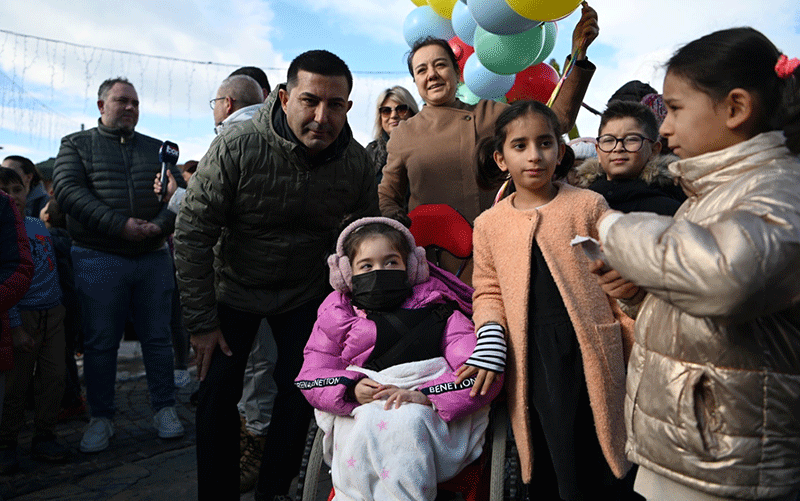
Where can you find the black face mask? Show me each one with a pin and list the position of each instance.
(380, 289)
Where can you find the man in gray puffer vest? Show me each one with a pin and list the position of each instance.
(103, 182)
(277, 190)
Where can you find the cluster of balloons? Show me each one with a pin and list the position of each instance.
(500, 45)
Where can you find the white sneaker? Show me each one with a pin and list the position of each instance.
(182, 378)
(167, 423)
(95, 438)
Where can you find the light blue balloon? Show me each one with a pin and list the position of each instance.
(424, 22)
(483, 83)
(463, 23)
(465, 95)
(495, 16)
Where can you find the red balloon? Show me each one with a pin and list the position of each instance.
(462, 52)
(534, 82)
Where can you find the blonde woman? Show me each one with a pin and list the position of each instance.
(394, 106)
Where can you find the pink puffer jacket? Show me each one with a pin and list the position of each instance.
(342, 336)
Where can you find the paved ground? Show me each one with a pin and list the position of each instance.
(138, 466)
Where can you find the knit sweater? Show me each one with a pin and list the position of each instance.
(503, 242)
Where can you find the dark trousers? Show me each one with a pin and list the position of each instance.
(218, 417)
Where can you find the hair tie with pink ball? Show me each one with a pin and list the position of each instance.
(785, 66)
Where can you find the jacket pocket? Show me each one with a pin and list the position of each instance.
(699, 415)
(613, 359)
(705, 412)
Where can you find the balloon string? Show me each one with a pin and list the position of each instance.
(501, 192)
(567, 70)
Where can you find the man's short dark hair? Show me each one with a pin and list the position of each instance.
(256, 74)
(320, 62)
(631, 109)
(424, 42)
(102, 92)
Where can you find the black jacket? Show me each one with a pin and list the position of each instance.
(653, 191)
(104, 176)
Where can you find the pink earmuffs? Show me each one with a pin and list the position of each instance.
(341, 275)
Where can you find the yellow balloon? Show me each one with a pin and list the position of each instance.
(420, 3)
(543, 10)
(442, 7)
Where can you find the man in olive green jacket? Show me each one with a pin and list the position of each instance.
(277, 190)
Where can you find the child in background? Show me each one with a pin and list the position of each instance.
(567, 339)
(73, 403)
(16, 269)
(629, 170)
(713, 397)
(379, 368)
(32, 180)
(39, 357)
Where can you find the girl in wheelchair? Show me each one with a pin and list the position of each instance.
(380, 368)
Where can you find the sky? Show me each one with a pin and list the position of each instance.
(54, 54)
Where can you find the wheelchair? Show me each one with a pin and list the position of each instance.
(495, 475)
(492, 477)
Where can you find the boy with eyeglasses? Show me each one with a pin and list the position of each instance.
(630, 171)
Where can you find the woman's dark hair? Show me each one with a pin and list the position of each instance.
(10, 176)
(489, 175)
(424, 42)
(28, 167)
(399, 241)
(743, 58)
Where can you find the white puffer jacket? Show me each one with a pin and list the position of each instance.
(713, 388)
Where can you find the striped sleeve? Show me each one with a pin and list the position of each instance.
(490, 350)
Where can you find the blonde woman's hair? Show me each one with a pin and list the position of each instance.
(399, 94)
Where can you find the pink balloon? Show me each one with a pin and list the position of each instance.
(534, 82)
(462, 52)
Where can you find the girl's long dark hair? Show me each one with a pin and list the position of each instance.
(489, 175)
(743, 58)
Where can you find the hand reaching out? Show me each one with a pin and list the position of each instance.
(612, 282)
(586, 31)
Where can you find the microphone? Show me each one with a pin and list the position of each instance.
(168, 156)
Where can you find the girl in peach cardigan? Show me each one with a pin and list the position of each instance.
(567, 341)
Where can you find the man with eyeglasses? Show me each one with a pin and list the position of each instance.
(122, 265)
(630, 171)
(238, 98)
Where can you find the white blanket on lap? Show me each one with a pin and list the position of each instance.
(399, 454)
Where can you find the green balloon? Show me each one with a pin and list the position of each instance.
(548, 42)
(465, 95)
(508, 54)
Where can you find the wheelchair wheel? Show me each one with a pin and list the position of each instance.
(505, 482)
(311, 465)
